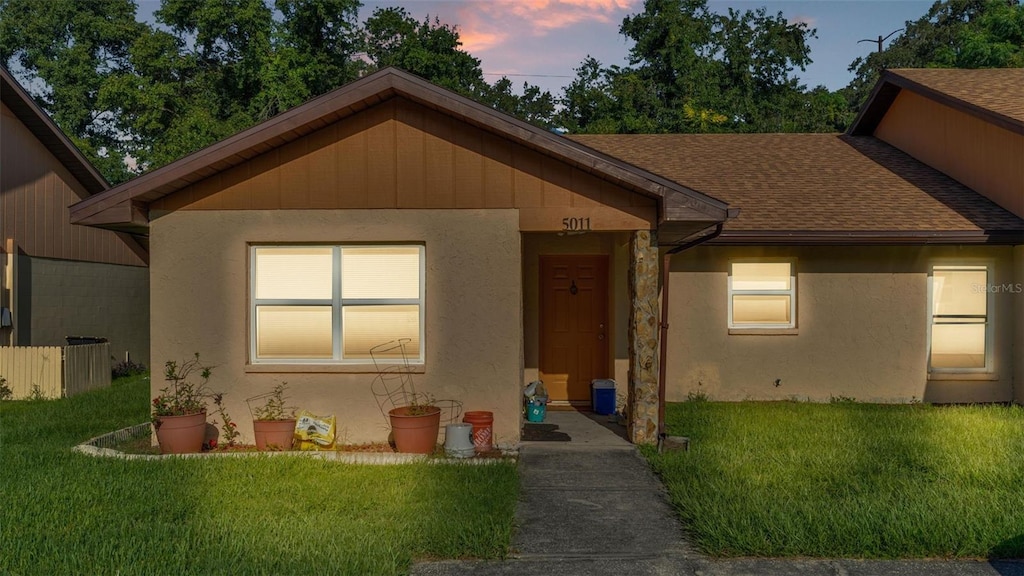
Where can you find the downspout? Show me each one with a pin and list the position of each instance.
(663, 352)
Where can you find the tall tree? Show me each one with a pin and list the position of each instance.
(693, 70)
(952, 34)
(74, 48)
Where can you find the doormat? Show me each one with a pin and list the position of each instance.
(543, 433)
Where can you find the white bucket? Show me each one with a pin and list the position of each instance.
(458, 440)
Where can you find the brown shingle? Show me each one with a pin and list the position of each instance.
(812, 182)
(1000, 90)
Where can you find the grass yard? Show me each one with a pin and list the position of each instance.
(66, 513)
(848, 480)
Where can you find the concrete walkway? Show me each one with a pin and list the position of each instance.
(591, 506)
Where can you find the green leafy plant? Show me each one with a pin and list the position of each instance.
(422, 404)
(127, 368)
(228, 429)
(6, 393)
(273, 405)
(184, 395)
(36, 394)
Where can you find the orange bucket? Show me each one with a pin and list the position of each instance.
(483, 423)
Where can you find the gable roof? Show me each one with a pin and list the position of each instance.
(821, 188)
(123, 207)
(42, 127)
(995, 95)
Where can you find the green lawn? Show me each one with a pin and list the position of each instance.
(848, 480)
(67, 513)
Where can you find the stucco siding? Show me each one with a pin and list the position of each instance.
(473, 310)
(60, 298)
(862, 329)
(978, 154)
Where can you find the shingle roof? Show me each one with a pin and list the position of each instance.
(995, 95)
(806, 184)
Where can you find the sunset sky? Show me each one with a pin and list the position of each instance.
(548, 38)
(542, 41)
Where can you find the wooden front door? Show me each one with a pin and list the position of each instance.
(573, 325)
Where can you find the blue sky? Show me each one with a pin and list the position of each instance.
(551, 37)
(542, 41)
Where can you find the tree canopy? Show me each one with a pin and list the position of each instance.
(952, 34)
(206, 69)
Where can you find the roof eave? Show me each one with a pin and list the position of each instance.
(889, 86)
(861, 238)
(43, 127)
(372, 90)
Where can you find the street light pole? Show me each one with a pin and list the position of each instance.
(880, 39)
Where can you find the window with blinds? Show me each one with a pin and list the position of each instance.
(959, 318)
(762, 295)
(333, 303)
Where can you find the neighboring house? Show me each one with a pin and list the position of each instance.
(56, 279)
(392, 208)
(883, 265)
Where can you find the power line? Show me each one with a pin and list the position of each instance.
(528, 75)
(880, 39)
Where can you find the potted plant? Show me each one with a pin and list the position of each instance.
(415, 426)
(179, 412)
(273, 423)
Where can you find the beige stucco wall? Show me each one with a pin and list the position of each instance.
(613, 244)
(861, 332)
(60, 298)
(473, 323)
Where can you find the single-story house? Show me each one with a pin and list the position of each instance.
(56, 279)
(805, 266)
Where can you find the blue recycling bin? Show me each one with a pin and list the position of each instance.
(602, 396)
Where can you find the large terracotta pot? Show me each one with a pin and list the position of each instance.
(181, 434)
(415, 433)
(274, 434)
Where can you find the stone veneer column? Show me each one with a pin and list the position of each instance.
(643, 338)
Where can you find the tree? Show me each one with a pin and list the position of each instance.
(693, 70)
(952, 34)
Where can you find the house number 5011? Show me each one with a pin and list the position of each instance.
(575, 224)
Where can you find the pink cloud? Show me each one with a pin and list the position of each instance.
(809, 20)
(488, 25)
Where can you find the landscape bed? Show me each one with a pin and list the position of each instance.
(69, 513)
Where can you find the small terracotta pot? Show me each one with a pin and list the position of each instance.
(274, 434)
(181, 434)
(415, 434)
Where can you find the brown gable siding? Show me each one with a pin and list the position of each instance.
(981, 155)
(35, 192)
(400, 154)
(997, 91)
(796, 185)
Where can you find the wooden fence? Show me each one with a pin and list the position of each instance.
(55, 371)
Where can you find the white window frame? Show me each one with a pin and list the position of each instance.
(336, 302)
(792, 293)
(966, 264)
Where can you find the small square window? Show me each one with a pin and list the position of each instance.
(762, 295)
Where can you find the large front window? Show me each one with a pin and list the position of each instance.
(959, 318)
(334, 303)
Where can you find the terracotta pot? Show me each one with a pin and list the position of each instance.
(415, 434)
(274, 434)
(181, 434)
